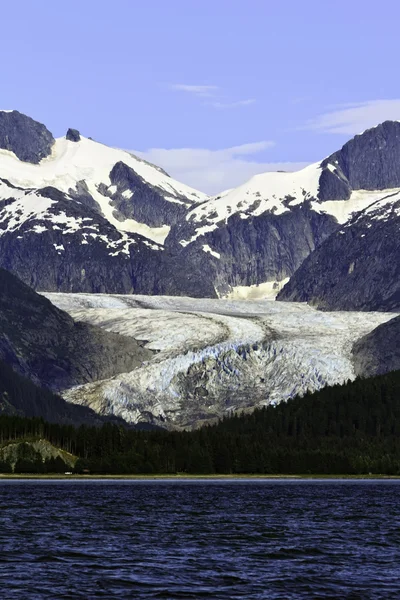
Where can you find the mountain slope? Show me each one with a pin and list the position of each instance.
(264, 230)
(109, 177)
(379, 351)
(43, 343)
(76, 215)
(357, 267)
(20, 396)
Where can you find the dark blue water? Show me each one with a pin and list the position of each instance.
(170, 539)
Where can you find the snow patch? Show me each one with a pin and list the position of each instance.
(26, 206)
(359, 200)
(206, 248)
(263, 291)
(39, 229)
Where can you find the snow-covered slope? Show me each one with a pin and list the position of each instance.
(76, 215)
(276, 194)
(88, 163)
(215, 356)
(268, 192)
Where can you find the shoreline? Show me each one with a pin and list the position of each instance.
(184, 477)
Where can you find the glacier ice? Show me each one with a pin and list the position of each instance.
(216, 356)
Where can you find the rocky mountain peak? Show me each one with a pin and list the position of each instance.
(29, 140)
(73, 135)
(369, 161)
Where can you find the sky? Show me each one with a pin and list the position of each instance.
(214, 91)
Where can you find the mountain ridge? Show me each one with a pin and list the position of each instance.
(79, 216)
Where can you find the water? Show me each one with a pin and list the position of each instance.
(199, 539)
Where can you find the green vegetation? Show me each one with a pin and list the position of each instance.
(349, 429)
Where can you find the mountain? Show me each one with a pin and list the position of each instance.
(78, 216)
(21, 397)
(43, 343)
(379, 351)
(263, 231)
(358, 266)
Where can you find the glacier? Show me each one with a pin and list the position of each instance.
(214, 357)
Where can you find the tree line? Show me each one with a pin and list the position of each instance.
(343, 429)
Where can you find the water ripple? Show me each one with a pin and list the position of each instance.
(193, 539)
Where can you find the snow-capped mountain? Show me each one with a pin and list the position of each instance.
(262, 232)
(76, 215)
(358, 266)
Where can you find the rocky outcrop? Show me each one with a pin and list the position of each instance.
(333, 184)
(369, 161)
(73, 135)
(43, 343)
(37, 451)
(29, 140)
(135, 198)
(357, 267)
(379, 351)
(256, 249)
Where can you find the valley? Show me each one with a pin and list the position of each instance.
(170, 293)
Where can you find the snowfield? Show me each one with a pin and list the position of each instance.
(72, 163)
(277, 193)
(212, 357)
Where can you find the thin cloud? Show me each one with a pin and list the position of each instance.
(350, 119)
(224, 105)
(210, 91)
(213, 171)
(197, 90)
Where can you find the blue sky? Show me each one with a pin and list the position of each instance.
(212, 90)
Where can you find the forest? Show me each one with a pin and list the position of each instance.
(345, 429)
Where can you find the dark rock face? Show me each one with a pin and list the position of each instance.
(357, 267)
(43, 343)
(369, 161)
(333, 185)
(72, 248)
(20, 396)
(73, 135)
(29, 140)
(379, 351)
(146, 204)
(258, 249)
